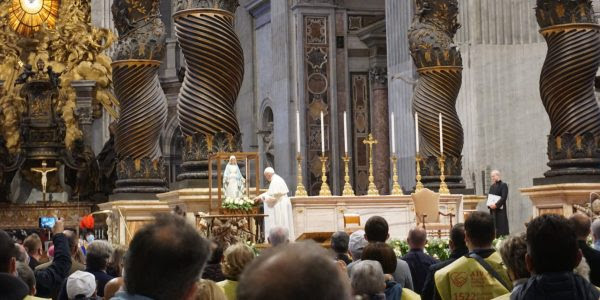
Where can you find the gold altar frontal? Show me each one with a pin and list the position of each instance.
(25, 216)
(326, 214)
(559, 198)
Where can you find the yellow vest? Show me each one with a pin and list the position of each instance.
(466, 279)
(229, 288)
(410, 295)
(503, 297)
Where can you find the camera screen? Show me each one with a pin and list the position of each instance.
(47, 222)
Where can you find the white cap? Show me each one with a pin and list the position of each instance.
(269, 170)
(81, 283)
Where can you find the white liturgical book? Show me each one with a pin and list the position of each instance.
(492, 199)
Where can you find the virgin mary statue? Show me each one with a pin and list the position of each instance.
(233, 181)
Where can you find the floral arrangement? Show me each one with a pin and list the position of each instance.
(242, 203)
(437, 248)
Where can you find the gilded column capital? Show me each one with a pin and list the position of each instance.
(141, 31)
(558, 12)
(432, 32)
(228, 5)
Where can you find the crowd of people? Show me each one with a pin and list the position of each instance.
(168, 259)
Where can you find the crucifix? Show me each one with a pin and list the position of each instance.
(44, 170)
(372, 188)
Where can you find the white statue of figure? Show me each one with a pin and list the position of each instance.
(233, 181)
(277, 206)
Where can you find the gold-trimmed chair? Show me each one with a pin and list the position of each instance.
(351, 219)
(427, 211)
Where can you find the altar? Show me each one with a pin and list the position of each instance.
(326, 214)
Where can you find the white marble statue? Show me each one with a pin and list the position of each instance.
(277, 206)
(233, 181)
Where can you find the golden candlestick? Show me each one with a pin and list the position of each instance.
(419, 185)
(443, 187)
(396, 188)
(325, 191)
(348, 191)
(372, 188)
(300, 190)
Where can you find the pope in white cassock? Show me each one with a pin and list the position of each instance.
(277, 204)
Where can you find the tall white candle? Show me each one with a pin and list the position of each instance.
(345, 134)
(441, 136)
(393, 136)
(298, 131)
(417, 131)
(322, 134)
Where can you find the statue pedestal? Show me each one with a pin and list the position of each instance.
(559, 198)
(126, 217)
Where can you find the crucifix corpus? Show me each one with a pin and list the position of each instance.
(44, 170)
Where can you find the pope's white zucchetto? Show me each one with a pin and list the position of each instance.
(269, 170)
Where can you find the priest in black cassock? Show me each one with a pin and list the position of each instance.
(498, 210)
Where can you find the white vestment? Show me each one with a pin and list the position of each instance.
(278, 207)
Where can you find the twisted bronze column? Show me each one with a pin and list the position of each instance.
(567, 86)
(439, 65)
(143, 109)
(213, 77)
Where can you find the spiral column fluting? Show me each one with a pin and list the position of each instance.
(143, 113)
(143, 108)
(567, 87)
(436, 92)
(439, 65)
(213, 77)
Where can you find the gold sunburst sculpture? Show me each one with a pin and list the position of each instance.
(27, 16)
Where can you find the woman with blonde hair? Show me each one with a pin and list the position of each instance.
(237, 257)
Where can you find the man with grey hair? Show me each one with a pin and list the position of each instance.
(278, 236)
(277, 205)
(96, 260)
(498, 210)
(339, 244)
(368, 280)
(22, 254)
(596, 234)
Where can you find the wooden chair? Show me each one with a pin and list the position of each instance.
(427, 204)
(351, 219)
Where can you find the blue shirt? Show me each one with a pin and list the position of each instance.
(127, 296)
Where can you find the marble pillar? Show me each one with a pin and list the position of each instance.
(401, 82)
(380, 128)
(374, 36)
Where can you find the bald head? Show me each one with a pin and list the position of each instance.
(581, 224)
(417, 238)
(273, 275)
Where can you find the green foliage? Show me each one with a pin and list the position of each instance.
(438, 248)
